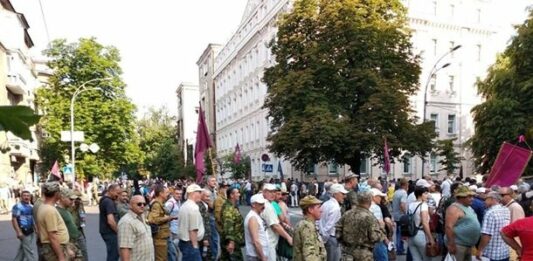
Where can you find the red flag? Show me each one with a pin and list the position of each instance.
(237, 154)
(386, 158)
(203, 142)
(55, 170)
(510, 163)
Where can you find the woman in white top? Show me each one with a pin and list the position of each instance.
(417, 244)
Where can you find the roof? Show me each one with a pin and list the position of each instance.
(6, 4)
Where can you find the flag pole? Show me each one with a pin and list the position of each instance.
(212, 165)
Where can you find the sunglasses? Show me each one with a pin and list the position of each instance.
(503, 195)
(141, 204)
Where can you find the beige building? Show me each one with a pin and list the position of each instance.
(19, 158)
(187, 118)
(206, 86)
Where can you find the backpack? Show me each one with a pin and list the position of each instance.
(525, 202)
(408, 227)
(436, 220)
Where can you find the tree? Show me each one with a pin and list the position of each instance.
(238, 170)
(18, 120)
(157, 130)
(342, 80)
(106, 116)
(450, 158)
(507, 110)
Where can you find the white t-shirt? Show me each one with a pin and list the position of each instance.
(413, 206)
(189, 219)
(270, 217)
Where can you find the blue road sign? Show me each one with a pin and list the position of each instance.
(268, 167)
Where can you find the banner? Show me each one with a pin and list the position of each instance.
(510, 163)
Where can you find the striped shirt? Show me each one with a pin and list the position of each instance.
(494, 220)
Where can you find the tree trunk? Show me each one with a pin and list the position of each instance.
(355, 163)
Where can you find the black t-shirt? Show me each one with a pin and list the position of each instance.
(107, 206)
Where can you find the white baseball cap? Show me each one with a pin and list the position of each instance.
(258, 198)
(193, 188)
(335, 188)
(423, 183)
(481, 190)
(269, 186)
(377, 192)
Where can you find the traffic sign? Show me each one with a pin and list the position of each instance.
(78, 136)
(267, 167)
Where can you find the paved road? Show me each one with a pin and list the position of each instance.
(9, 243)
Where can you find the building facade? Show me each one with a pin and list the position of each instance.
(19, 159)
(438, 27)
(206, 86)
(187, 117)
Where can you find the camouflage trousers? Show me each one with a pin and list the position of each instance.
(358, 255)
(70, 251)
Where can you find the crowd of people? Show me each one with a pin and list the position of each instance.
(349, 220)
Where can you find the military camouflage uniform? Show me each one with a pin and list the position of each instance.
(308, 243)
(233, 230)
(350, 201)
(207, 235)
(358, 230)
(70, 252)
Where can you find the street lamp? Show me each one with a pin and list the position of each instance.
(432, 73)
(79, 90)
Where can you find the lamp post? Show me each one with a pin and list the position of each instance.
(433, 72)
(79, 90)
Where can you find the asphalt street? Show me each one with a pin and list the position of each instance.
(9, 243)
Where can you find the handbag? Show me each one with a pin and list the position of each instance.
(450, 257)
(432, 250)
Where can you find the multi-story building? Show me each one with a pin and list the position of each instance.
(187, 118)
(438, 27)
(18, 158)
(206, 86)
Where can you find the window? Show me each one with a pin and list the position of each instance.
(451, 83)
(478, 15)
(406, 164)
(434, 6)
(310, 169)
(433, 163)
(451, 124)
(333, 168)
(363, 169)
(435, 119)
(478, 52)
(433, 83)
(452, 10)
(434, 43)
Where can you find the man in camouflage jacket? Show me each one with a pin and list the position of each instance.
(204, 207)
(308, 245)
(233, 229)
(358, 230)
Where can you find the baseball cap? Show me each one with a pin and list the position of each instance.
(423, 183)
(308, 201)
(269, 186)
(481, 190)
(258, 198)
(335, 188)
(193, 188)
(67, 193)
(377, 192)
(51, 187)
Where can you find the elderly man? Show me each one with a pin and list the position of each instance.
(497, 216)
(399, 208)
(22, 220)
(203, 206)
(190, 225)
(214, 236)
(274, 230)
(255, 234)
(232, 235)
(63, 204)
(122, 204)
(358, 230)
(134, 235)
(331, 213)
(53, 232)
(308, 244)
(380, 249)
(461, 225)
(517, 212)
(350, 184)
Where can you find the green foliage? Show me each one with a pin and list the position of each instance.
(238, 170)
(163, 157)
(507, 110)
(106, 116)
(344, 72)
(18, 120)
(450, 158)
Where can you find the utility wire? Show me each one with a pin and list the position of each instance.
(45, 24)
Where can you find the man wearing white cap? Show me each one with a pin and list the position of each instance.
(331, 213)
(275, 230)
(190, 225)
(255, 235)
(380, 249)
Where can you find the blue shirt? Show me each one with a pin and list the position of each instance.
(23, 213)
(478, 205)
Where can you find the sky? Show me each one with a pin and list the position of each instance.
(160, 41)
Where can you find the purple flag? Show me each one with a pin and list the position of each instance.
(386, 158)
(203, 142)
(511, 162)
(237, 154)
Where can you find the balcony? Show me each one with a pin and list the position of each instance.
(18, 147)
(16, 84)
